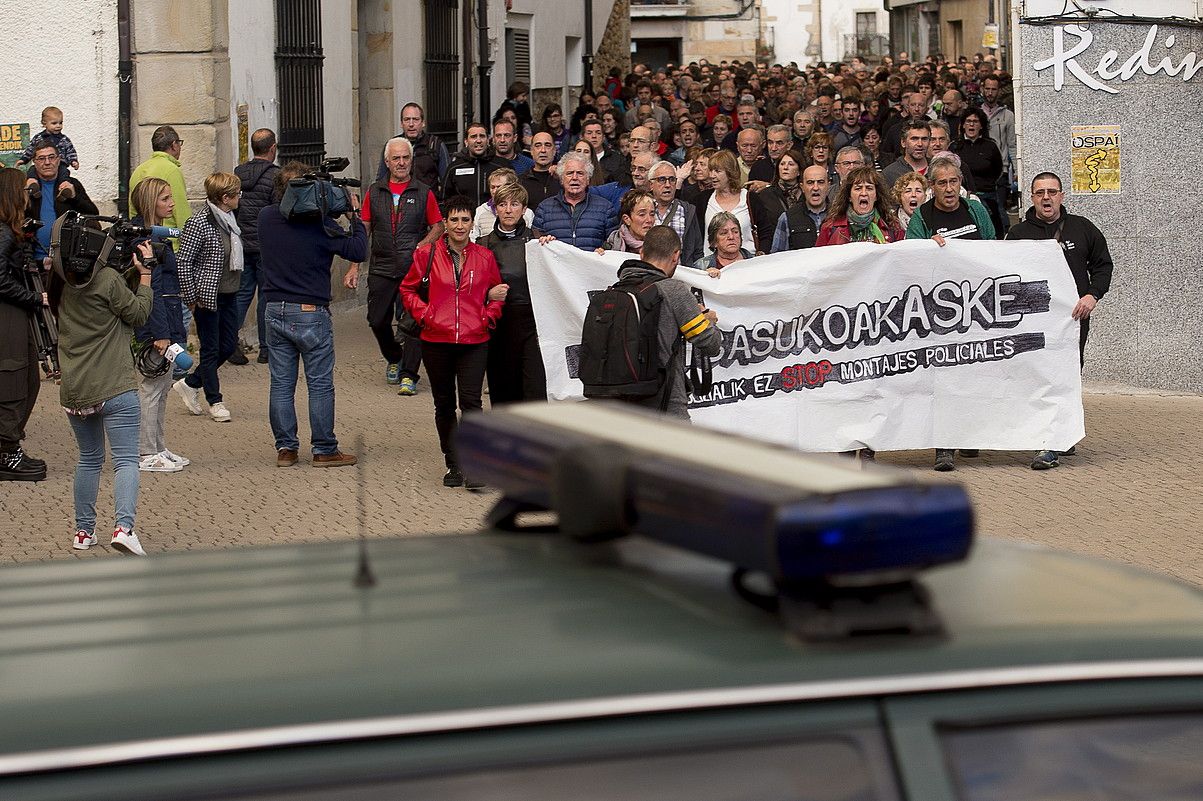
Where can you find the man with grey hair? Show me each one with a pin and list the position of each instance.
(575, 215)
(670, 211)
(749, 143)
(946, 216)
(641, 165)
(778, 140)
(401, 214)
(846, 160)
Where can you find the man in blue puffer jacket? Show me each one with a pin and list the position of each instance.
(576, 216)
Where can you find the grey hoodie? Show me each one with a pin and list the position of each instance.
(678, 317)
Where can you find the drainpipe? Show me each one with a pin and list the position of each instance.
(484, 66)
(587, 58)
(125, 79)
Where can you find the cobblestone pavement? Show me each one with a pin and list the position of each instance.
(1133, 493)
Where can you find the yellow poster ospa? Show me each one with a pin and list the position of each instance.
(1095, 159)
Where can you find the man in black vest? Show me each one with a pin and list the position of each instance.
(430, 154)
(798, 226)
(401, 214)
(468, 174)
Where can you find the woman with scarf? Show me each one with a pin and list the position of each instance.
(637, 214)
(862, 211)
(910, 192)
(770, 203)
(210, 272)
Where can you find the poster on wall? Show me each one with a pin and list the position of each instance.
(1095, 159)
(14, 138)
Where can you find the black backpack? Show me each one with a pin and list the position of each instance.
(620, 348)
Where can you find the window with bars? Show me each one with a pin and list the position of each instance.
(441, 61)
(299, 57)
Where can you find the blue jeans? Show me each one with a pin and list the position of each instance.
(218, 333)
(295, 335)
(252, 281)
(119, 419)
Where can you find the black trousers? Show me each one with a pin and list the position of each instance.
(515, 363)
(18, 395)
(1082, 340)
(384, 302)
(457, 374)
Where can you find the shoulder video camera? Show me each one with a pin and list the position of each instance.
(318, 195)
(79, 243)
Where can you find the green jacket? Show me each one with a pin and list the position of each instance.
(96, 321)
(165, 166)
(918, 228)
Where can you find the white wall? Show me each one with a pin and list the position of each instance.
(75, 66)
(341, 108)
(253, 66)
(839, 18)
(791, 28)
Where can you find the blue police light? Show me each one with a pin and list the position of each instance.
(608, 470)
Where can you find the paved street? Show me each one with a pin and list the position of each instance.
(1132, 493)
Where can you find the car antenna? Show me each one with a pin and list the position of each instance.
(363, 575)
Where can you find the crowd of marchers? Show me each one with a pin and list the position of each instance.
(701, 165)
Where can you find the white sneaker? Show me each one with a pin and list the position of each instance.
(182, 461)
(219, 413)
(158, 463)
(83, 540)
(126, 541)
(190, 396)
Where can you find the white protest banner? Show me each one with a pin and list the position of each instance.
(891, 347)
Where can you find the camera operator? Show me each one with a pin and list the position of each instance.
(97, 318)
(297, 258)
(19, 380)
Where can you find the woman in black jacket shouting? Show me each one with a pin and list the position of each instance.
(981, 158)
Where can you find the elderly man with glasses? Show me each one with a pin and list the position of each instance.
(670, 211)
(847, 159)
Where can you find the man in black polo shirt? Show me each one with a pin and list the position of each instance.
(402, 215)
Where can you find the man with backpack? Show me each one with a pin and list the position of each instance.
(635, 332)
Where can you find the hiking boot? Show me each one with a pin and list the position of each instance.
(408, 387)
(336, 459)
(190, 396)
(945, 460)
(126, 541)
(286, 457)
(1045, 460)
(83, 540)
(392, 374)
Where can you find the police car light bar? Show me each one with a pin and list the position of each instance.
(609, 469)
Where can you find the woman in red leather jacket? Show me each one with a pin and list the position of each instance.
(463, 303)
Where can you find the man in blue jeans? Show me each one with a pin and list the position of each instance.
(258, 178)
(297, 258)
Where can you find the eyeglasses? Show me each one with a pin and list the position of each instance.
(849, 163)
(1046, 193)
(664, 179)
(639, 170)
(46, 159)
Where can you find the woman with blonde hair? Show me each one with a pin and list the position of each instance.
(910, 192)
(210, 270)
(729, 196)
(154, 202)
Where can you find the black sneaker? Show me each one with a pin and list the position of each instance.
(262, 358)
(25, 457)
(453, 478)
(944, 460)
(15, 466)
(1045, 460)
(238, 357)
(470, 484)
(970, 453)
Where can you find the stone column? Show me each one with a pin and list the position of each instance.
(182, 79)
